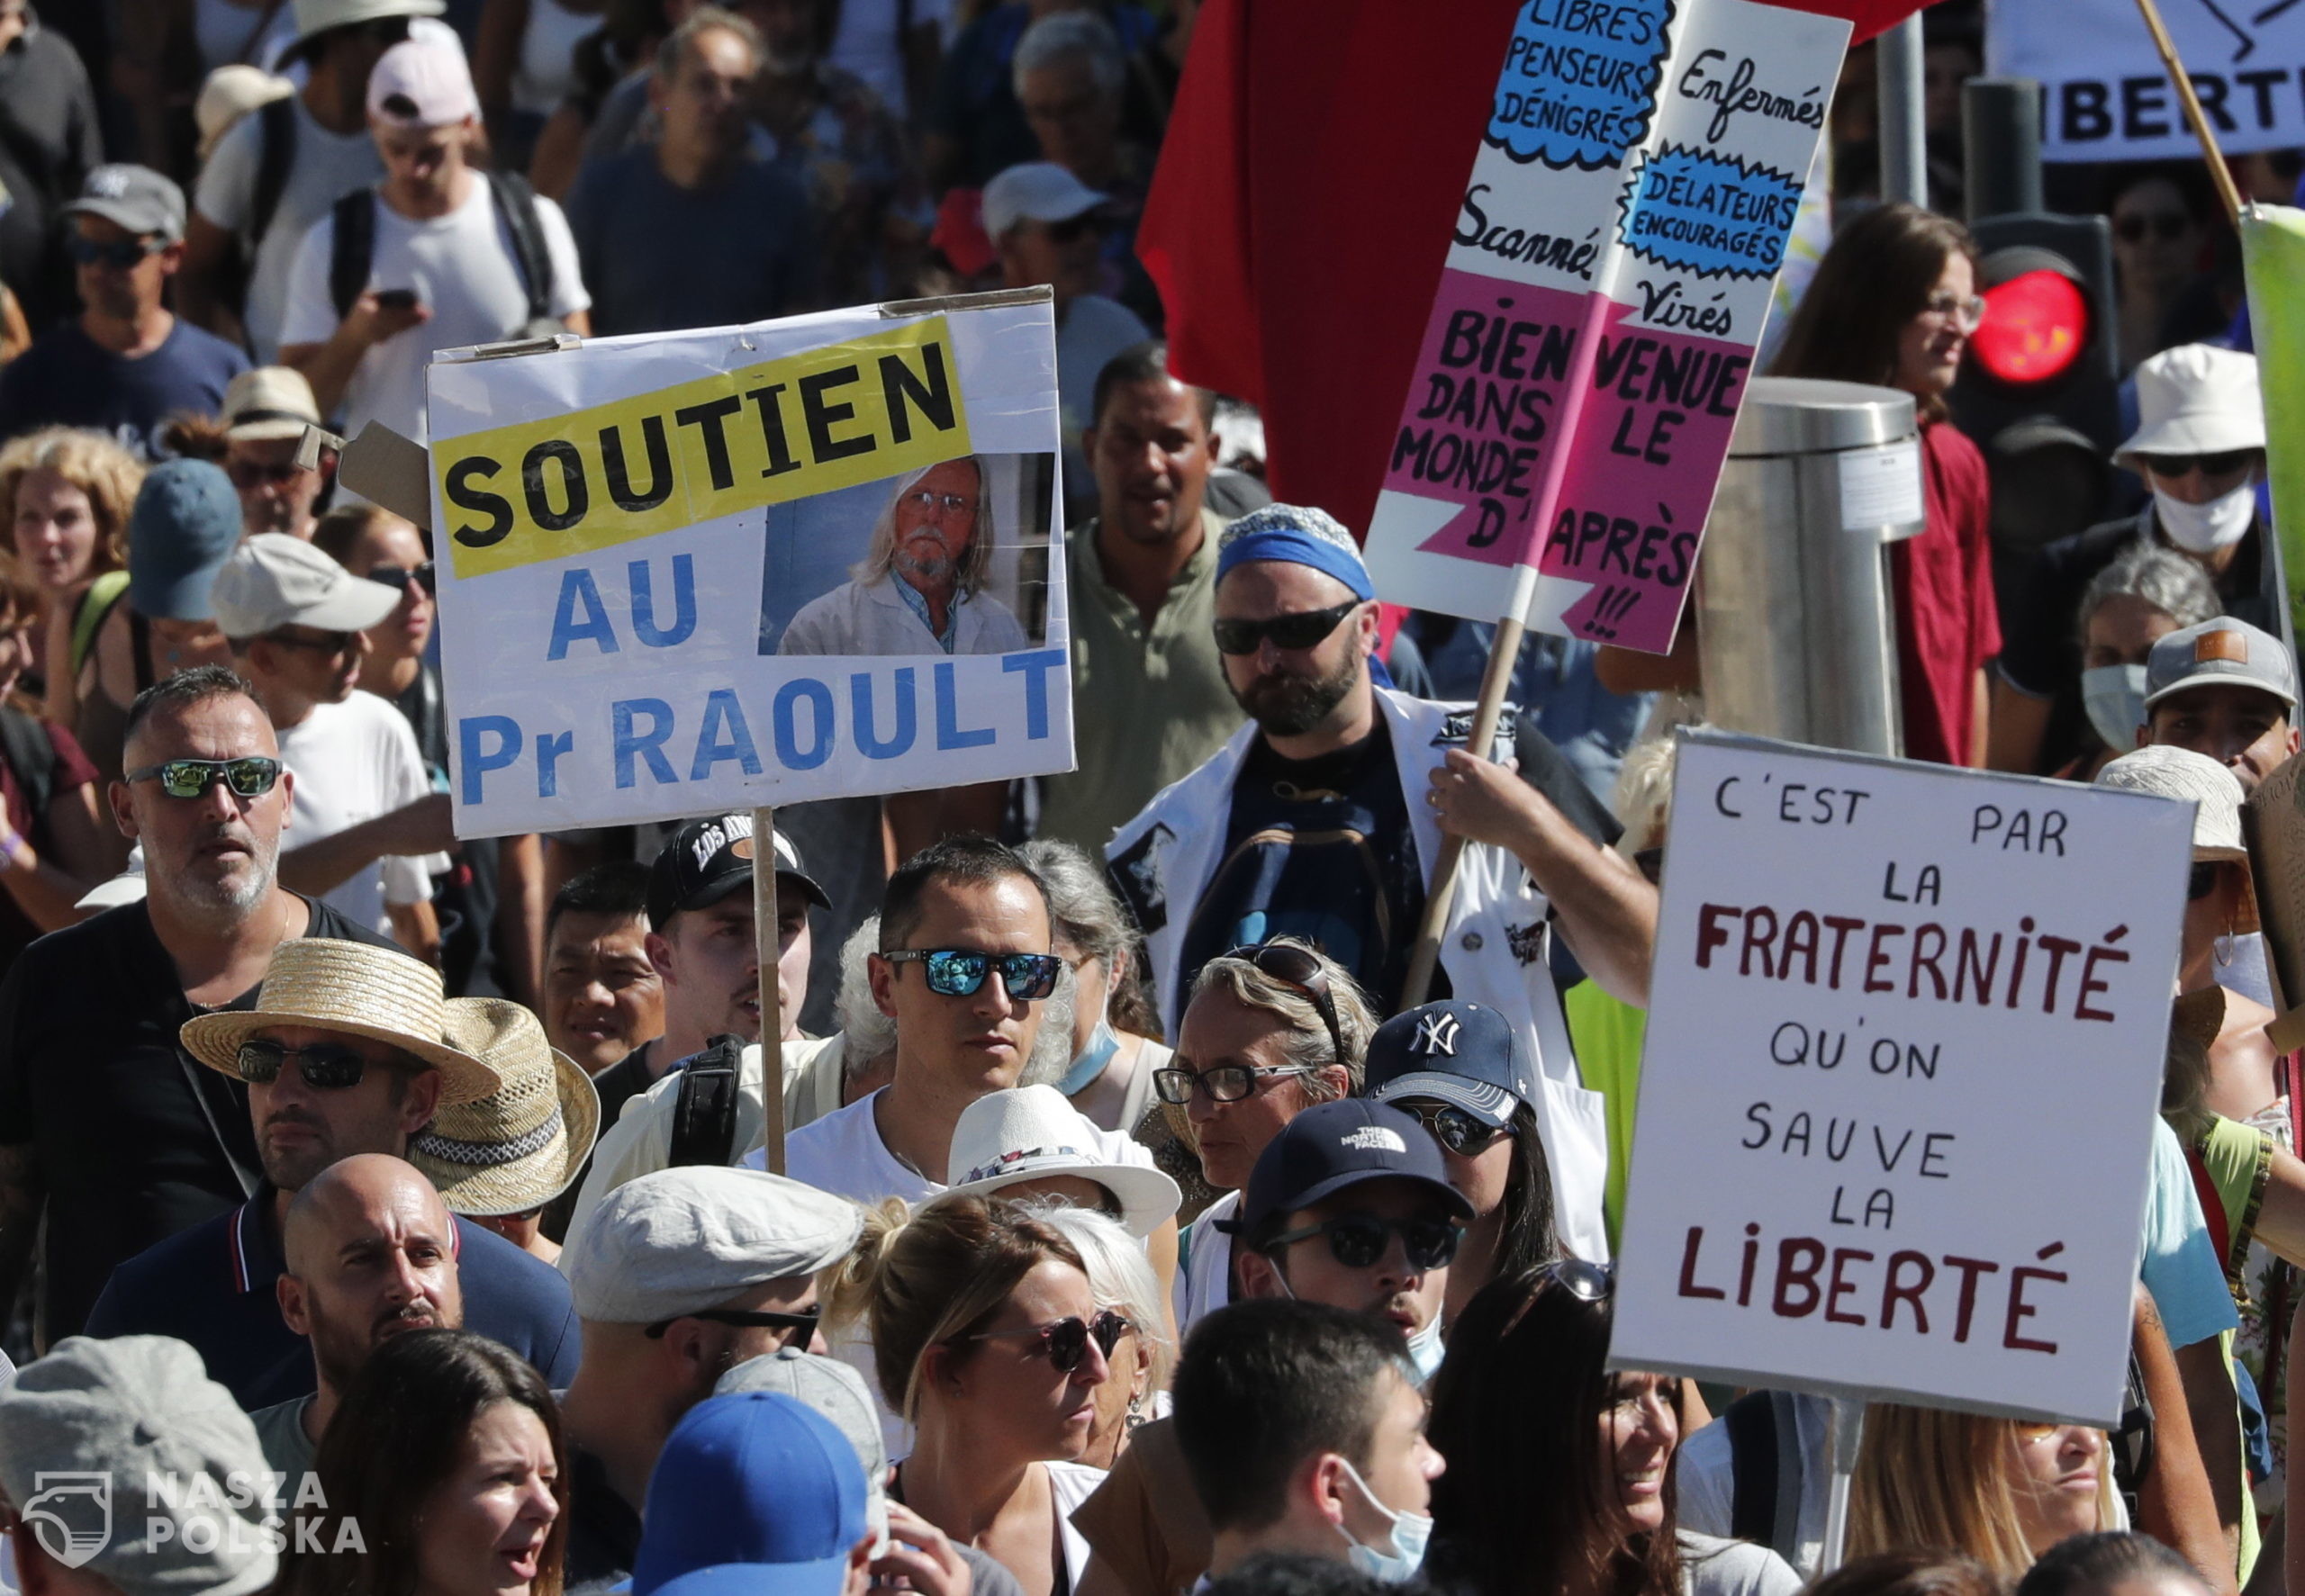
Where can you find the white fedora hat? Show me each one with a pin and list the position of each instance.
(1004, 1138)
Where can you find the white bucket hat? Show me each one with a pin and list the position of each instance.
(2195, 399)
(1004, 1138)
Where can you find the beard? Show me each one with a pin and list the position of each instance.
(225, 899)
(930, 567)
(1288, 705)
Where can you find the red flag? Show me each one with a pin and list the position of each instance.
(1299, 217)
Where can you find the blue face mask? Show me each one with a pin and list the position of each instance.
(1104, 1042)
(1396, 1562)
(2114, 697)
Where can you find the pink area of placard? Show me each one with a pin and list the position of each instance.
(1483, 411)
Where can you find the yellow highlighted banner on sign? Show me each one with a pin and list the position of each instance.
(811, 423)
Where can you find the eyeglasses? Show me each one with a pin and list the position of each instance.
(1461, 1133)
(335, 644)
(425, 576)
(252, 473)
(2168, 226)
(1969, 313)
(248, 778)
(955, 972)
(1220, 1083)
(326, 1066)
(1072, 229)
(1650, 863)
(2222, 464)
(1301, 630)
(121, 254)
(2203, 881)
(1066, 1342)
(930, 503)
(743, 1318)
(1586, 1281)
(1300, 968)
(1360, 1240)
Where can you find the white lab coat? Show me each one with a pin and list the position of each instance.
(1493, 948)
(861, 618)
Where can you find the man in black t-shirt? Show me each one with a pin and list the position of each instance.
(106, 1125)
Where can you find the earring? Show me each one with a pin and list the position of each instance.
(1136, 1414)
(2223, 947)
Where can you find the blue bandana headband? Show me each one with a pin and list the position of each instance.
(1299, 535)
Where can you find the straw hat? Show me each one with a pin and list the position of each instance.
(358, 988)
(2215, 795)
(519, 1148)
(1006, 1137)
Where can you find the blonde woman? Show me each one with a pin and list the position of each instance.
(68, 494)
(2001, 1490)
(1144, 1357)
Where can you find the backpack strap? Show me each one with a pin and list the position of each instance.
(275, 153)
(103, 597)
(1792, 1475)
(24, 743)
(1753, 1463)
(704, 1113)
(353, 247)
(516, 207)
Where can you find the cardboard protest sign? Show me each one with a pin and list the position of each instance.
(1883, 993)
(2106, 95)
(802, 559)
(1608, 277)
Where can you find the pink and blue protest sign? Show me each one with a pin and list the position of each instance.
(1607, 281)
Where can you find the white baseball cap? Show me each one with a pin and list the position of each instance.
(422, 83)
(1007, 1138)
(274, 580)
(2195, 399)
(1036, 190)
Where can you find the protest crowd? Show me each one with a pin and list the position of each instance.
(1099, 1205)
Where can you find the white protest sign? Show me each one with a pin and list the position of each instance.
(2106, 97)
(810, 558)
(1903, 1056)
(1608, 277)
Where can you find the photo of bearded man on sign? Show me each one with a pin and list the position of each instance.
(921, 588)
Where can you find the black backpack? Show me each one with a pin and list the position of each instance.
(704, 1110)
(24, 744)
(516, 206)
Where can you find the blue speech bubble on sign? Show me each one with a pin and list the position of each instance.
(1713, 216)
(1579, 84)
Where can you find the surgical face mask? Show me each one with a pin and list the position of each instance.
(1425, 1350)
(2204, 528)
(2114, 697)
(1396, 1562)
(1104, 1042)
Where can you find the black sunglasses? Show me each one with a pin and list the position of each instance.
(248, 778)
(1586, 1281)
(1300, 968)
(1304, 629)
(956, 972)
(1066, 1342)
(326, 1066)
(743, 1318)
(1461, 1133)
(334, 644)
(1359, 1241)
(2203, 881)
(2164, 225)
(120, 254)
(1650, 863)
(2222, 464)
(400, 576)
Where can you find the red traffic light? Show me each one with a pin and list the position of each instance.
(2036, 325)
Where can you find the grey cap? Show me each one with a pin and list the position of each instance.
(684, 1239)
(274, 580)
(137, 198)
(119, 1456)
(2219, 652)
(838, 1392)
(185, 524)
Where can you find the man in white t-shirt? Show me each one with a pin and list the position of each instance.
(370, 834)
(326, 153)
(455, 256)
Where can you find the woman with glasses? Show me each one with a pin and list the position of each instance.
(1269, 1031)
(1894, 304)
(986, 1336)
(2003, 1490)
(1144, 1357)
(1561, 1472)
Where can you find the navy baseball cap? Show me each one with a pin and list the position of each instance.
(1455, 1052)
(707, 859)
(185, 524)
(754, 1493)
(1332, 1147)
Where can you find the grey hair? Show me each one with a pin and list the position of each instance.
(866, 1032)
(1067, 34)
(881, 553)
(703, 20)
(1307, 1045)
(1052, 1054)
(2176, 586)
(1119, 1274)
(1087, 914)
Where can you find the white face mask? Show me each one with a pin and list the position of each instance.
(2204, 528)
(1398, 1562)
(1425, 1349)
(2114, 697)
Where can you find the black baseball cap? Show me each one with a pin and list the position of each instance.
(1332, 1147)
(1455, 1052)
(707, 859)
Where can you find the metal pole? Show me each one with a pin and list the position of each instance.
(1904, 151)
(766, 947)
(1848, 1431)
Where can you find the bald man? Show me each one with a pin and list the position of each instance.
(370, 1252)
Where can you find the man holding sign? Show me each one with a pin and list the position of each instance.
(1321, 819)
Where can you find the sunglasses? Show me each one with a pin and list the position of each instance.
(1650, 863)
(326, 1066)
(1299, 968)
(1301, 630)
(1066, 1342)
(2164, 225)
(1071, 227)
(252, 473)
(743, 1318)
(121, 255)
(1221, 1083)
(1360, 1240)
(334, 644)
(2203, 881)
(424, 576)
(955, 972)
(1461, 1133)
(2221, 464)
(248, 778)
